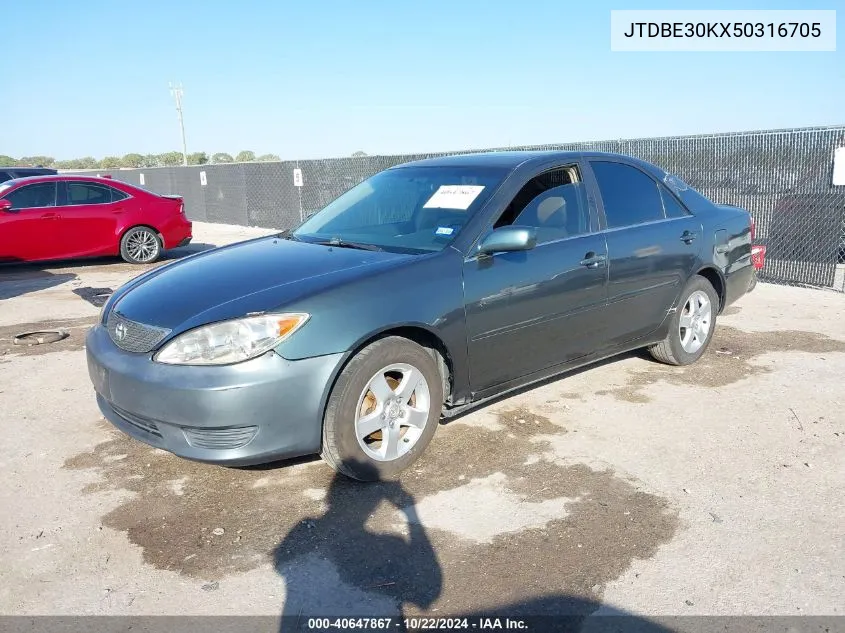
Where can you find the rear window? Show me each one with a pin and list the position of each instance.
(87, 193)
(689, 196)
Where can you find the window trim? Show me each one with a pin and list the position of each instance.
(600, 199)
(66, 196)
(649, 223)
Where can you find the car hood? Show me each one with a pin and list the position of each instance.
(255, 276)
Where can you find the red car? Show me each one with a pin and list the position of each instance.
(63, 217)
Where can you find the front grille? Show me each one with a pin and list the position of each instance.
(220, 438)
(144, 424)
(133, 336)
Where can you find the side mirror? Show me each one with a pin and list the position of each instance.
(508, 239)
(5, 205)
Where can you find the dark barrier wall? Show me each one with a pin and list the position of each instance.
(783, 177)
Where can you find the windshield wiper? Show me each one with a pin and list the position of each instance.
(336, 241)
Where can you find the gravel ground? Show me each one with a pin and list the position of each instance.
(629, 486)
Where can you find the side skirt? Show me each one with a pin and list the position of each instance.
(556, 371)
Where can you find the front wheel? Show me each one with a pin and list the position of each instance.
(383, 410)
(692, 325)
(140, 245)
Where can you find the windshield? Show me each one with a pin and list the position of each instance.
(411, 209)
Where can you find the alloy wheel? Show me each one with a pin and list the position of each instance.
(393, 410)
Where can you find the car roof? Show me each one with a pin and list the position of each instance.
(507, 159)
(52, 177)
(21, 168)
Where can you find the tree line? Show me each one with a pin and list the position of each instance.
(167, 159)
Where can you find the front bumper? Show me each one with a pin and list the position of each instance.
(254, 412)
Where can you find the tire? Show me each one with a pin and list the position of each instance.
(140, 245)
(403, 419)
(676, 349)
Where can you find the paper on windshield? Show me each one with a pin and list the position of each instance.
(454, 197)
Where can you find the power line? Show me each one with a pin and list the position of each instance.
(177, 93)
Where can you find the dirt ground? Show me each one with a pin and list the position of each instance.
(629, 486)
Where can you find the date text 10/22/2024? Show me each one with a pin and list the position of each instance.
(418, 624)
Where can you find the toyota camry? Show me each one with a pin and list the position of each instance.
(427, 289)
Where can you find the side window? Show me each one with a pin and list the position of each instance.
(671, 206)
(4, 176)
(629, 196)
(117, 195)
(34, 196)
(87, 193)
(554, 202)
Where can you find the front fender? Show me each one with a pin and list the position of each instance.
(425, 293)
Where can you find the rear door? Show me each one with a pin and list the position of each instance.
(28, 231)
(90, 213)
(653, 244)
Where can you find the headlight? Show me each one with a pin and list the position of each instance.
(230, 341)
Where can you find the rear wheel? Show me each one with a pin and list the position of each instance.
(140, 245)
(692, 325)
(383, 410)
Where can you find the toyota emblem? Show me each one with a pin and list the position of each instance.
(120, 331)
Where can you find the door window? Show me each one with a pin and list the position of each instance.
(42, 194)
(630, 196)
(117, 195)
(88, 193)
(671, 206)
(554, 203)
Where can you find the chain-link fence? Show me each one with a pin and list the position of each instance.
(783, 177)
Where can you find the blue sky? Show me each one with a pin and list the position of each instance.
(320, 78)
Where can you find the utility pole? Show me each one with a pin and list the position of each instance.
(177, 92)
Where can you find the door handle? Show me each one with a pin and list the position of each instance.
(688, 236)
(591, 260)
(49, 216)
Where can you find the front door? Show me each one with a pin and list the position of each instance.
(527, 311)
(28, 231)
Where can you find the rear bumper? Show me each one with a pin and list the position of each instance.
(177, 233)
(254, 412)
(738, 282)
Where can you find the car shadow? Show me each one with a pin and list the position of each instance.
(335, 566)
(89, 262)
(16, 280)
(21, 277)
(183, 251)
